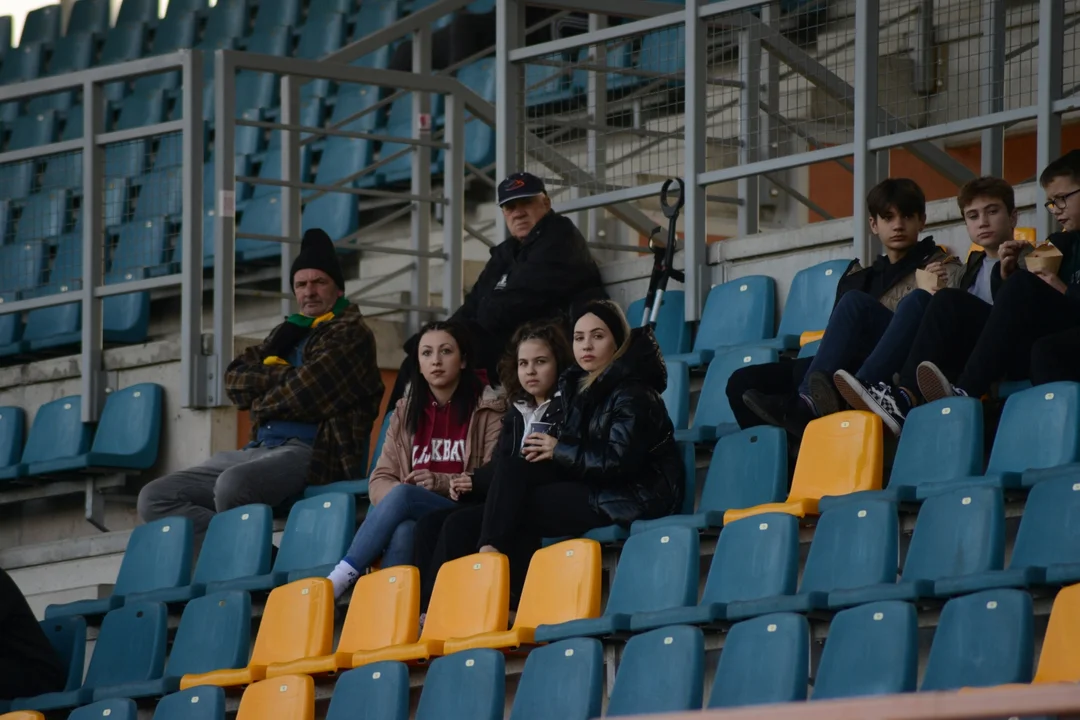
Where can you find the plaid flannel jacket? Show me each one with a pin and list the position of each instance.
(338, 386)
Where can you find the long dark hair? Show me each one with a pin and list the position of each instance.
(469, 385)
(547, 332)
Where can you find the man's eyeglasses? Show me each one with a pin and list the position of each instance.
(1059, 201)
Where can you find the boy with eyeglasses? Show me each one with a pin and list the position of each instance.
(959, 352)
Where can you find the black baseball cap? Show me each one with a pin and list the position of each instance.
(520, 185)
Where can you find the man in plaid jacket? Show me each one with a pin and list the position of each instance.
(313, 389)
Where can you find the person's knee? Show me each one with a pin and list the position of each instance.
(397, 499)
(232, 488)
(150, 497)
(916, 299)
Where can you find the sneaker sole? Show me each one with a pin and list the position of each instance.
(762, 413)
(870, 404)
(846, 385)
(823, 394)
(932, 384)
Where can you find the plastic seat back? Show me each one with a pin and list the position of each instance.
(657, 569)
(43, 216)
(289, 697)
(137, 11)
(321, 35)
(855, 544)
(941, 441)
(479, 136)
(811, 297)
(960, 532)
(31, 130)
(88, 16)
(748, 468)
(298, 622)
(563, 584)
(160, 193)
(114, 709)
(467, 685)
(23, 266)
(317, 532)
(199, 703)
(246, 531)
(384, 610)
(226, 21)
(871, 650)
(676, 395)
(1039, 428)
(372, 692)
(41, 25)
(661, 671)
(982, 640)
(764, 660)
(737, 312)
(214, 633)
(21, 64)
(130, 646)
(716, 410)
(563, 680)
(130, 426)
(672, 330)
(57, 431)
(158, 555)
(124, 42)
(756, 557)
(67, 635)
(1049, 531)
(1059, 661)
(274, 14)
(840, 454)
(471, 596)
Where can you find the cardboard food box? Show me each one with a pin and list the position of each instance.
(928, 281)
(1045, 258)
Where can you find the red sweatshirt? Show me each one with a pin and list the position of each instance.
(439, 443)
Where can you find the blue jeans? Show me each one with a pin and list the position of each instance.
(864, 333)
(387, 531)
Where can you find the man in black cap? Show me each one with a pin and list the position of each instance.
(538, 273)
(313, 389)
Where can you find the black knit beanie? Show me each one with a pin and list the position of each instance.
(317, 253)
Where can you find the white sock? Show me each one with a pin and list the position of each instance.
(343, 576)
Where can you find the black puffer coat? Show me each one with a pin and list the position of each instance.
(616, 436)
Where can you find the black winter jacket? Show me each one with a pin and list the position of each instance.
(617, 437)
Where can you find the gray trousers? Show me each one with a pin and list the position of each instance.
(227, 480)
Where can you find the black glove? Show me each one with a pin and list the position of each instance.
(284, 339)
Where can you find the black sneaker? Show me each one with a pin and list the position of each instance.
(770, 408)
(823, 394)
(892, 407)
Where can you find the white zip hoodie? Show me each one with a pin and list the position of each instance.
(530, 413)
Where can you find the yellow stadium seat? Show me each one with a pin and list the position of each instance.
(1060, 661)
(810, 336)
(563, 584)
(839, 454)
(290, 697)
(384, 611)
(298, 622)
(22, 715)
(471, 596)
(1023, 234)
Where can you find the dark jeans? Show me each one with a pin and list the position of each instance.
(949, 330)
(778, 378)
(1055, 357)
(440, 537)
(864, 334)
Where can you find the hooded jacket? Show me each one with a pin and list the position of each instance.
(974, 264)
(509, 443)
(617, 438)
(889, 283)
(395, 462)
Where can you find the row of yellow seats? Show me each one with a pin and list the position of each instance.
(469, 609)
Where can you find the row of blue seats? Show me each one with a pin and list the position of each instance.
(59, 443)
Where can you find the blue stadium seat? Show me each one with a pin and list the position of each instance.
(41, 26)
(20, 64)
(259, 216)
(756, 557)
(563, 680)
(186, 7)
(199, 703)
(547, 85)
(158, 555)
(352, 99)
(214, 633)
(160, 193)
(321, 34)
(467, 685)
(1047, 548)
(809, 302)
(12, 435)
(871, 650)
(127, 437)
(399, 123)
(137, 11)
(1037, 433)
(176, 32)
(57, 431)
(657, 570)
(960, 532)
(260, 90)
(739, 312)
(73, 52)
(114, 709)
(316, 536)
(43, 216)
(479, 136)
(672, 330)
(764, 660)
(63, 277)
(130, 648)
(982, 640)
(6, 24)
(88, 16)
(809, 349)
(22, 266)
(748, 468)
(270, 169)
(140, 251)
(68, 638)
(373, 692)
(273, 15)
(661, 671)
(312, 112)
(677, 394)
(124, 42)
(714, 418)
(355, 487)
(226, 22)
(323, 7)
(131, 158)
(17, 179)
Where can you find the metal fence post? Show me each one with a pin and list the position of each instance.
(508, 37)
(992, 84)
(1048, 122)
(290, 196)
(749, 127)
(193, 369)
(224, 221)
(694, 250)
(93, 256)
(421, 181)
(866, 120)
(454, 210)
(597, 104)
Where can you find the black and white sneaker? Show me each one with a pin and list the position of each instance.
(878, 399)
(933, 384)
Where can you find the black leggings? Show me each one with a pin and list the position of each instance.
(1055, 357)
(778, 378)
(949, 330)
